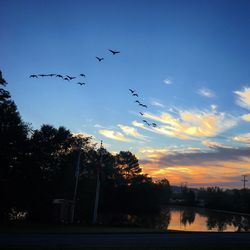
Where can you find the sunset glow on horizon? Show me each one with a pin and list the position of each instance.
(188, 61)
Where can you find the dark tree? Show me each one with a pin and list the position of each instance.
(13, 144)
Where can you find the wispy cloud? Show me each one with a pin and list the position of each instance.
(189, 124)
(244, 138)
(246, 117)
(157, 104)
(168, 81)
(214, 144)
(243, 97)
(206, 92)
(131, 131)
(98, 126)
(111, 134)
(214, 107)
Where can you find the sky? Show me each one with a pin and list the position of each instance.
(188, 61)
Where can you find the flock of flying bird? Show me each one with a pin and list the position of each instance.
(70, 78)
(63, 77)
(133, 92)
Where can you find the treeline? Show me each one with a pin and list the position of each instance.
(38, 166)
(214, 198)
(230, 200)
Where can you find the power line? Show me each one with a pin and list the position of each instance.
(244, 181)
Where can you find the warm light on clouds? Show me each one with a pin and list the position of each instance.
(243, 97)
(211, 144)
(217, 165)
(190, 124)
(114, 135)
(131, 131)
(244, 138)
(206, 92)
(246, 117)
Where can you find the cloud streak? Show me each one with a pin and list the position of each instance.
(111, 134)
(189, 124)
(243, 97)
(206, 92)
(131, 131)
(244, 138)
(246, 117)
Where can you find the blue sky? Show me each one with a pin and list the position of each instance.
(188, 61)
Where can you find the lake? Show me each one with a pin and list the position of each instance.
(197, 219)
(184, 219)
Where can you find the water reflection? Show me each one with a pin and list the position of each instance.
(184, 219)
(193, 219)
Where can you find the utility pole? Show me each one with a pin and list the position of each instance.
(77, 172)
(102, 151)
(244, 181)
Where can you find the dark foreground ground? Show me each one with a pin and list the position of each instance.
(126, 241)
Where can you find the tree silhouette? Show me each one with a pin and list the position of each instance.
(13, 134)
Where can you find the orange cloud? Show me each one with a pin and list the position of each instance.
(198, 168)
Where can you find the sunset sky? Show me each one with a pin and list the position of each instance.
(189, 62)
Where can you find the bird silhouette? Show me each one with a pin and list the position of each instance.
(146, 122)
(51, 75)
(42, 75)
(82, 75)
(99, 59)
(135, 94)
(66, 78)
(70, 77)
(132, 91)
(81, 83)
(33, 76)
(138, 102)
(59, 76)
(114, 52)
(141, 113)
(143, 105)
(154, 124)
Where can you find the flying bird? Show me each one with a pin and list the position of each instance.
(81, 83)
(154, 124)
(51, 75)
(66, 78)
(33, 76)
(114, 52)
(141, 113)
(138, 102)
(99, 59)
(132, 91)
(82, 75)
(135, 94)
(143, 105)
(146, 122)
(71, 77)
(42, 75)
(59, 76)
